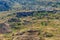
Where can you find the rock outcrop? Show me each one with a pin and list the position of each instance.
(4, 28)
(28, 35)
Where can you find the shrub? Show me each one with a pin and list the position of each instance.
(46, 34)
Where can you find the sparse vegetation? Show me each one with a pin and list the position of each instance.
(46, 22)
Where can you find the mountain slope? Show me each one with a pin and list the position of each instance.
(6, 5)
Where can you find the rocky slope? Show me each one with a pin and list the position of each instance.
(37, 25)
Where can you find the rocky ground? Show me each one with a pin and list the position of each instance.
(30, 26)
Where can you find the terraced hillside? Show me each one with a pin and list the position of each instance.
(33, 25)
